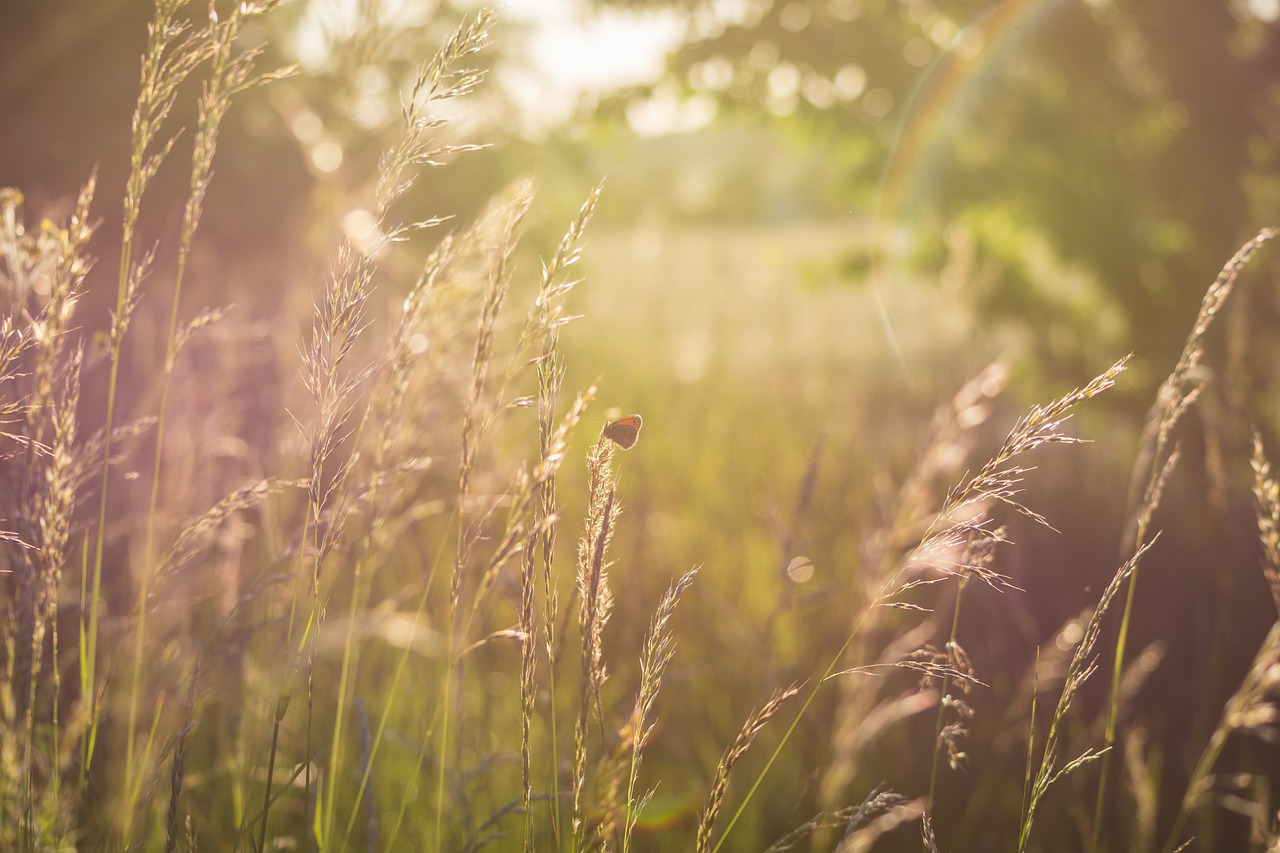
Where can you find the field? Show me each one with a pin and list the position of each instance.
(376, 558)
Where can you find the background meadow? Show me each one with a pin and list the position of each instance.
(950, 526)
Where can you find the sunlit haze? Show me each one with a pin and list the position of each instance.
(328, 329)
(574, 52)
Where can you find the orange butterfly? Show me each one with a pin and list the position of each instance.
(625, 431)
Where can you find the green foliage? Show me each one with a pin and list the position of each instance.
(1127, 139)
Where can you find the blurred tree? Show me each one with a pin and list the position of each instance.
(1092, 161)
(295, 163)
(294, 158)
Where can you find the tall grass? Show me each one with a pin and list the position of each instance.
(1155, 465)
(381, 643)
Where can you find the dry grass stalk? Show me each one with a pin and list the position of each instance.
(57, 257)
(341, 317)
(655, 657)
(1155, 464)
(547, 319)
(393, 454)
(980, 553)
(1253, 709)
(1267, 511)
(174, 51)
(926, 834)
(542, 331)
(595, 601)
(1178, 392)
(46, 529)
(54, 262)
(338, 322)
(1082, 667)
(528, 683)
(1143, 780)
(865, 830)
(720, 785)
(966, 510)
(231, 72)
(178, 774)
(540, 500)
(40, 283)
(480, 406)
(366, 761)
(418, 328)
(964, 524)
(1176, 395)
(39, 577)
(420, 324)
(851, 819)
(198, 533)
(953, 435)
(342, 314)
(477, 416)
(957, 542)
(14, 341)
(528, 502)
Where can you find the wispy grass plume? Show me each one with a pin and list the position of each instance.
(40, 283)
(1253, 710)
(231, 72)
(655, 657)
(754, 724)
(1155, 464)
(595, 601)
(544, 327)
(340, 318)
(1082, 667)
(174, 51)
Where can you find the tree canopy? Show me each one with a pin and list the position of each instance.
(1090, 161)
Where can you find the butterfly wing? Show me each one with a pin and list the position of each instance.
(624, 431)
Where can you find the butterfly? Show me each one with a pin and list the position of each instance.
(624, 431)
